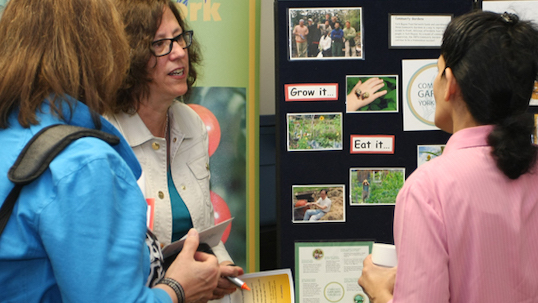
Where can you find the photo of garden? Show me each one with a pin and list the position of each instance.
(375, 186)
(314, 131)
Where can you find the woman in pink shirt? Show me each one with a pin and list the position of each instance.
(466, 223)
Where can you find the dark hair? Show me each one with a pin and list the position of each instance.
(60, 47)
(494, 58)
(142, 19)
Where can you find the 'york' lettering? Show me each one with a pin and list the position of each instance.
(210, 11)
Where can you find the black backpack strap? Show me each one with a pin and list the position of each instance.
(36, 156)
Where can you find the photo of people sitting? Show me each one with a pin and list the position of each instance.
(318, 203)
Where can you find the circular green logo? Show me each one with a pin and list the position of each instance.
(420, 94)
(334, 292)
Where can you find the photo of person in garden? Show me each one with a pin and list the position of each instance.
(342, 25)
(318, 203)
(314, 131)
(375, 186)
(319, 208)
(372, 94)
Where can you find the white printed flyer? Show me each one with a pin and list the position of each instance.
(330, 271)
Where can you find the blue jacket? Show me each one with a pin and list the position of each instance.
(77, 233)
(337, 34)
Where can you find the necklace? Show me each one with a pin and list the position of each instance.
(167, 138)
(165, 127)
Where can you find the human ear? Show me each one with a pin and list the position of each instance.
(452, 88)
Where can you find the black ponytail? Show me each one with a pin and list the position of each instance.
(512, 148)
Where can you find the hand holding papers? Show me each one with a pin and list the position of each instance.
(237, 282)
(210, 236)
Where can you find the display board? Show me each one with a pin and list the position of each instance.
(329, 141)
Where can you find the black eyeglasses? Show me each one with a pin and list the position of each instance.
(160, 48)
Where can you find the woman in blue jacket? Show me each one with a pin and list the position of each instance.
(78, 232)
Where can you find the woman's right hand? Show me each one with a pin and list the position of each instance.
(196, 271)
(376, 281)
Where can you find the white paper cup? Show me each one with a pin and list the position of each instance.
(384, 255)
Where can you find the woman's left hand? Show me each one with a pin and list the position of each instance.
(224, 286)
(377, 282)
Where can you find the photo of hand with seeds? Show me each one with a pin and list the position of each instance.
(371, 94)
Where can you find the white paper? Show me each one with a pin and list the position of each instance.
(417, 30)
(329, 271)
(210, 236)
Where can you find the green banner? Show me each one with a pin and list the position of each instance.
(227, 87)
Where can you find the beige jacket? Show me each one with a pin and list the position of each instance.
(190, 168)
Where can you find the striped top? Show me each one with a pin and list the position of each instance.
(465, 232)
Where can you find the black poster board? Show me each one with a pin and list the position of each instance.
(369, 223)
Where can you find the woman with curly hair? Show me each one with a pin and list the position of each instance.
(169, 138)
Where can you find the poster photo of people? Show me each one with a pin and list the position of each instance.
(325, 33)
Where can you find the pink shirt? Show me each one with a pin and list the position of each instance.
(464, 232)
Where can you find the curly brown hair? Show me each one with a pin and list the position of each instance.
(142, 19)
(58, 48)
